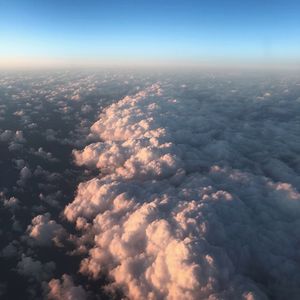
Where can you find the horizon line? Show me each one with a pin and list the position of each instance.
(44, 62)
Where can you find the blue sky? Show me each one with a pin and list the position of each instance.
(151, 30)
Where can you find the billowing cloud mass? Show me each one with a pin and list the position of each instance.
(196, 198)
(43, 116)
(186, 186)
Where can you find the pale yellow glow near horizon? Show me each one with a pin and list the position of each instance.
(89, 62)
(26, 62)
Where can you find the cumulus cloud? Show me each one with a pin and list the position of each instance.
(25, 175)
(188, 203)
(10, 250)
(11, 203)
(34, 269)
(193, 188)
(86, 108)
(6, 136)
(15, 138)
(65, 289)
(43, 154)
(45, 231)
(51, 199)
(19, 163)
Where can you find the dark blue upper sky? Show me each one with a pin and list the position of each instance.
(192, 30)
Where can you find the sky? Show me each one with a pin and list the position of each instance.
(148, 32)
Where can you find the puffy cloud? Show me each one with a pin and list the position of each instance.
(188, 204)
(11, 203)
(50, 135)
(65, 289)
(34, 269)
(197, 195)
(19, 137)
(44, 231)
(51, 199)
(13, 137)
(43, 154)
(6, 136)
(25, 174)
(76, 97)
(10, 250)
(39, 172)
(15, 147)
(86, 108)
(19, 163)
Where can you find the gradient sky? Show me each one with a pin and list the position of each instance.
(259, 30)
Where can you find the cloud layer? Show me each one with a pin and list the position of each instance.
(189, 188)
(193, 199)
